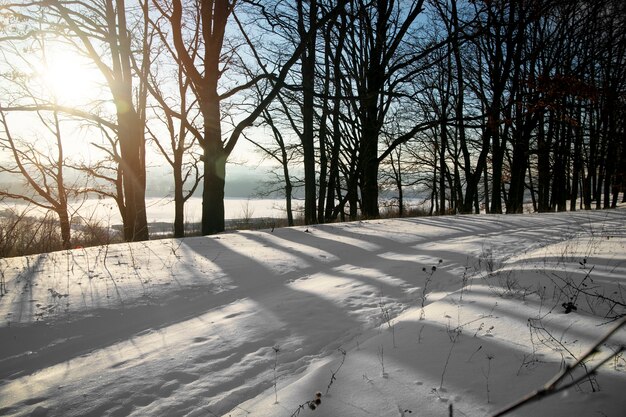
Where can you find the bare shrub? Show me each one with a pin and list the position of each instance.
(93, 233)
(27, 235)
(22, 234)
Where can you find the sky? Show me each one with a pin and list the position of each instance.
(61, 75)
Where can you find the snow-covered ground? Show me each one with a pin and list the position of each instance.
(382, 318)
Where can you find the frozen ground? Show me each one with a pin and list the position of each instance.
(383, 318)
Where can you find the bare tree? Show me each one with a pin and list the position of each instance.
(284, 154)
(307, 19)
(205, 72)
(37, 160)
(384, 56)
(104, 26)
(42, 171)
(176, 109)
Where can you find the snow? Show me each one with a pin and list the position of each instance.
(391, 317)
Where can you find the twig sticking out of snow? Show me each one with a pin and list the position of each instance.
(276, 350)
(555, 385)
(314, 403)
(333, 376)
(453, 339)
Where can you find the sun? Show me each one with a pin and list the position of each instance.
(70, 79)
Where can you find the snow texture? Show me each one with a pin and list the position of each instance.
(385, 318)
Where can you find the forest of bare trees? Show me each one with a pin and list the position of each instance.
(476, 105)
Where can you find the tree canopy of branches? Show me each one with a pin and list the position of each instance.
(469, 105)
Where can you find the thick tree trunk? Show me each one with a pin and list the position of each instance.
(132, 147)
(587, 192)
(543, 166)
(496, 178)
(497, 158)
(213, 192)
(353, 201)
(607, 192)
(458, 188)
(601, 176)
(471, 191)
(612, 153)
(288, 197)
(214, 162)
(323, 177)
(400, 197)
(486, 186)
(368, 149)
(519, 166)
(369, 178)
(333, 170)
(352, 192)
(308, 89)
(434, 202)
(459, 116)
(325, 134)
(179, 205)
(531, 187)
(559, 168)
(472, 179)
(64, 223)
(442, 165)
(577, 162)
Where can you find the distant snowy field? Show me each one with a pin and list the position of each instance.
(383, 318)
(162, 209)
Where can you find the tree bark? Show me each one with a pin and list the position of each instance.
(308, 90)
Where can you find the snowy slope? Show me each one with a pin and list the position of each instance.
(383, 318)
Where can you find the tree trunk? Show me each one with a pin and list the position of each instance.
(132, 149)
(352, 192)
(559, 177)
(323, 178)
(459, 104)
(308, 89)
(400, 197)
(64, 223)
(531, 187)
(497, 157)
(288, 196)
(496, 178)
(442, 163)
(213, 192)
(369, 178)
(543, 165)
(214, 162)
(472, 179)
(368, 149)
(519, 166)
(333, 170)
(578, 143)
(486, 185)
(179, 204)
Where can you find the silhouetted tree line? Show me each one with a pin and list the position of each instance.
(480, 105)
